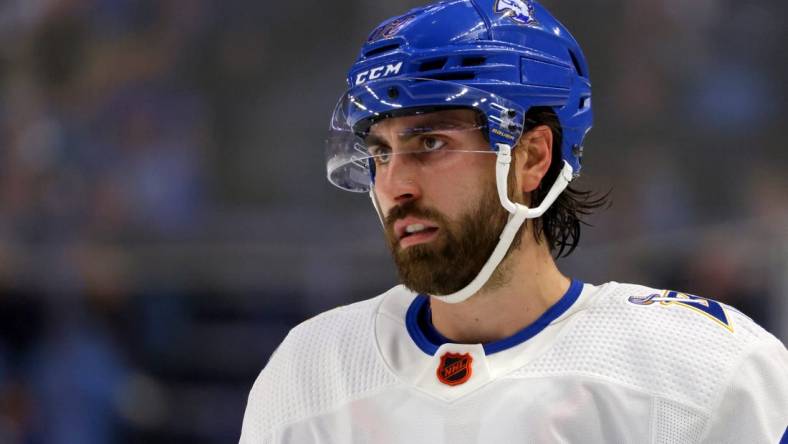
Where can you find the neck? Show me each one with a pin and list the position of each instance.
(525, 285)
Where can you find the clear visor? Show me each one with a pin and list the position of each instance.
(428, 120)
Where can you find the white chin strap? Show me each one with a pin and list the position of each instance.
(518, 213)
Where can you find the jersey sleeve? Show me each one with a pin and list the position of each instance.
(254, 430)
(321, 364)
(753, 406)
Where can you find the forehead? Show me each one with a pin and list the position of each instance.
(444, 118)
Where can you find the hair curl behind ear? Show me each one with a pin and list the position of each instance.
(561, 223)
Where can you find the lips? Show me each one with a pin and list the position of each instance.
(412, 231)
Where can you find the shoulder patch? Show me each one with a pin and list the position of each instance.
(707, 307)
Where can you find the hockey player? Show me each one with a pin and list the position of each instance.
(464, 122)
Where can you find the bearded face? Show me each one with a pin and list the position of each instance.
(454, 258)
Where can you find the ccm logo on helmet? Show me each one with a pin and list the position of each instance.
(378, 72)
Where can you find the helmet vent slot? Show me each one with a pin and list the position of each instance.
(457, 75)
(430, 65)
(473, 61)
(576, 63)
(381, 50)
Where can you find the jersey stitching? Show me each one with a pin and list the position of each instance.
(596, 378)
(376, 342)
(733, 370)
(360, 396)
(652, 425)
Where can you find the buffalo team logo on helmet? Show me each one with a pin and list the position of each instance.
(391, 28)
(521, 11)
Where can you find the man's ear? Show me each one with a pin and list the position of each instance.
(533, 156)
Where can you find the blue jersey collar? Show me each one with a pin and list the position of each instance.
(419, 323)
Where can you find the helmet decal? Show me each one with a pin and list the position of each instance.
(521, 11)
(389, 69)
(391, 28)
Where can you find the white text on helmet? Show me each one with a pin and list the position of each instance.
(378, 72)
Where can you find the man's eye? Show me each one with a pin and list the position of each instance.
(432, 143)
(381, 154)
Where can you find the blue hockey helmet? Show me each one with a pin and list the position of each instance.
(499, 57)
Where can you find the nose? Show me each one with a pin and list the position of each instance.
(397, 181)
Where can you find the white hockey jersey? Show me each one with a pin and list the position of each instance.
(615, 363)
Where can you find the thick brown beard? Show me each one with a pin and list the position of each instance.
(451, 261)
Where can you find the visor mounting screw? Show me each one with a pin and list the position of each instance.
(393, 93)
(511, 113)
(577, 150)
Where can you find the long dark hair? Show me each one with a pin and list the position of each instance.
(561, 223)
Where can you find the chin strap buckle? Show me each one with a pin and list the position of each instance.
(504, 154)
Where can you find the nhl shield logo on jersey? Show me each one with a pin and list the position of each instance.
(521, 11)
(707, 307)
(455, 368)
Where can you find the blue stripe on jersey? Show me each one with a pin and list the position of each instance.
(418, 322)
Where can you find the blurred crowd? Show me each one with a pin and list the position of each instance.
(164, 217)
(106, 125)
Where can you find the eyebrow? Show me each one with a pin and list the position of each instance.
(409, 133)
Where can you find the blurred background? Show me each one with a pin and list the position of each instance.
(165, 218)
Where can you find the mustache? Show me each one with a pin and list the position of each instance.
(411, 208)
